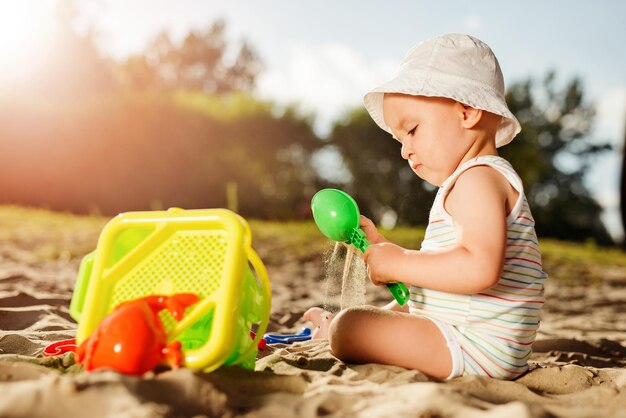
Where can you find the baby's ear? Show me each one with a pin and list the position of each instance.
(470, 115)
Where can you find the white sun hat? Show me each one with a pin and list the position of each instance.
(458, 67)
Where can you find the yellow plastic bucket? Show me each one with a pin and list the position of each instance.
(207, 252)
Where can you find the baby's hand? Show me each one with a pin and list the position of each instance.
(321, 321)
(371, 232)
(382, 260)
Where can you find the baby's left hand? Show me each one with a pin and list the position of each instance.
(321, 321)
(380, 260)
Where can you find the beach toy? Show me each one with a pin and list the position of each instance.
(60, 347)
(262, 345)
(303, 335)
(132, 339)
(206, 252)
(337, 216)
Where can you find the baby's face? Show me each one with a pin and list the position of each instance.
(430, 131)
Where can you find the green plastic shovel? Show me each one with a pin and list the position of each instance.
(337, 216)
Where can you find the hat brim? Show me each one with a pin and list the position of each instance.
(468, 93)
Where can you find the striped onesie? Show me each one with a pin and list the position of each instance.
(493, 329)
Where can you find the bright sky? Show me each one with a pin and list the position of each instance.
(325, 54)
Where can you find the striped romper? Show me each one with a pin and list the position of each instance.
(489, 333)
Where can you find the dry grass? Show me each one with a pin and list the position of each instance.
(32, 236)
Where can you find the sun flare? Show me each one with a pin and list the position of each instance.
(25, 28)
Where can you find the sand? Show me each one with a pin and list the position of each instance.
(577, 370)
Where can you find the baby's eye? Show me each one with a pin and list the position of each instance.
(412, 131)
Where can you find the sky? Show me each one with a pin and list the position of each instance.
(326, 54)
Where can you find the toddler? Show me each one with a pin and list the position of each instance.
(477, 283)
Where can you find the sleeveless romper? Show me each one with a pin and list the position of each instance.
(495, 328)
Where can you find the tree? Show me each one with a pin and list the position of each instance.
(264, 153)
(623, 187)
(201, 62)
(185, 127)
(268, 157)
(552, 155)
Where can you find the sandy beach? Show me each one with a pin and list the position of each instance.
(577, 369)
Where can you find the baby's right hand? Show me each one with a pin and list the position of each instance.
(371, 232)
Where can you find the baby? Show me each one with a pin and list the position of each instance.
(477, 283)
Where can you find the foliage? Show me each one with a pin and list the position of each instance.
(174, 126)
(553, 153)
(200, 63)
(140, 151)
(622, 203)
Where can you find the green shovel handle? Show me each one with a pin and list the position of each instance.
(399, 290)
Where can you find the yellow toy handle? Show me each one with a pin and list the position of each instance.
(261, 272)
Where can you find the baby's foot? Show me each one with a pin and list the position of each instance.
(321, 320)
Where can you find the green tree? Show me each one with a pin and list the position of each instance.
(204, 61)
(622, 202)
(184, 127)
(264, 152)
(137, 152)
(269, 158)
(553, 153)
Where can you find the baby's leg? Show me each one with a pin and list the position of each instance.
(321, 319)
(366, 334)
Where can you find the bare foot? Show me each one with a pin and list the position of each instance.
(321, 320)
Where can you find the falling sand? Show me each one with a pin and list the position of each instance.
(332, 270)
(346, 284)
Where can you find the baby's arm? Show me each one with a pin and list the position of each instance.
(477, 204)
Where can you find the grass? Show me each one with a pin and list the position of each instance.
(302, 241)
(35, 236)
(570, 252)
(575, 262)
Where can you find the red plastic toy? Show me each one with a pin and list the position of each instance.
(131, 339)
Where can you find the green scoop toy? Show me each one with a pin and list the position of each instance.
(337, 216)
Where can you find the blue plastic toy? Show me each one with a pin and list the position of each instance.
(303, 335)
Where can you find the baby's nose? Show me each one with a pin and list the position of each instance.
(404, 151)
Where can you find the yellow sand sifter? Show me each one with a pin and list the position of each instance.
(206, 252)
